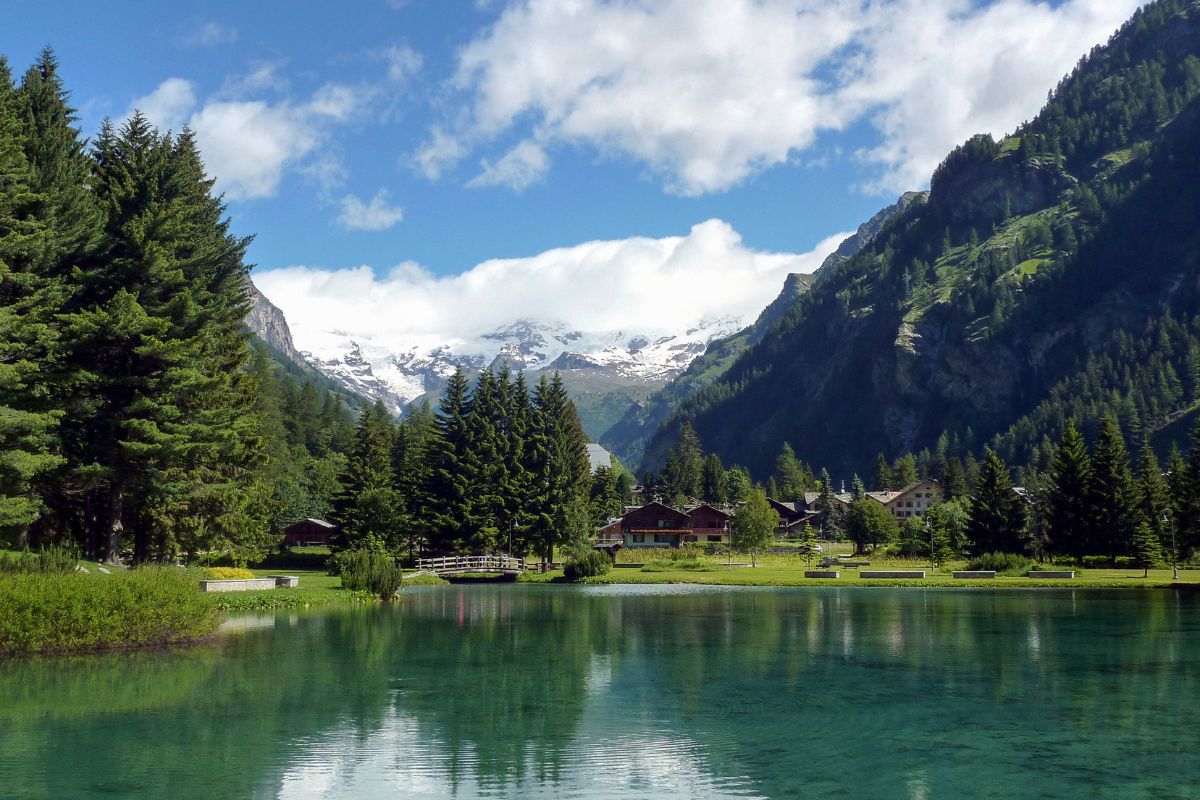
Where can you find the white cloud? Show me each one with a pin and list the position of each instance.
(168, 106)
(402, 62)
(525, 164)
(211, 34)
(442, 152)
(708, 92)
(247, 144)
(376, 215)
(596, 286)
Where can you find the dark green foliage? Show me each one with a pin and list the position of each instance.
(367, 511)
(869, 524)
(1068, 511)
(58, 613)
(1011, 564)
(713, 487)
(828, 510)
(997, 514)
(369, 570)
(587, 563)
(1113, 494)
(1145, 548)
(881, 480)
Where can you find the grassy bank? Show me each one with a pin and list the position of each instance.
(788, 570)
(74, 612)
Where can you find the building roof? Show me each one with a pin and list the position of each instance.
(322, 523)
(598, 456)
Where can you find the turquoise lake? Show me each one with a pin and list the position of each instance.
(502, 691)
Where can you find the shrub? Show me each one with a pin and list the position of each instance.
(1002, 563)
(228, 573)
(52, 559)
(59, 613)
(369, 570)
(586, 564)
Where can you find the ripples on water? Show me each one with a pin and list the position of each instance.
(634, 691)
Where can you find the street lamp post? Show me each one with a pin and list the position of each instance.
(932, 561)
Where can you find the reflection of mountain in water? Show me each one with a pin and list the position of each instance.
(629, 691)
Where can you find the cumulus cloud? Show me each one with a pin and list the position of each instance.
(247, 144)
(525, 164)
(169, 105)
(598, 286)
(402, 62)
(708, 92)
(377, 215)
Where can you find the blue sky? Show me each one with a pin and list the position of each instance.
(443, 133)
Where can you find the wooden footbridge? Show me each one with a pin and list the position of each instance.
(461, 565)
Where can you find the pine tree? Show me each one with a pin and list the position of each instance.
(489, 478)
(1112, 493)
(712, 489)
(1187, 499)
(1179, 486)
(828, 511)
(954, 481)
(410, 472)
(997, 517)
(1154, 495)
(1145, 547)
(560, 511)
(789, 478)
(28, 424)
(447, 497)
(1068, 516)
(904, 471)
(367, 512)
(857, 490)
(689, 463)
(881, 480)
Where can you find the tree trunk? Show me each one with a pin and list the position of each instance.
(115, 528)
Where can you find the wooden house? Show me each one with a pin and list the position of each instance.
(308, 532)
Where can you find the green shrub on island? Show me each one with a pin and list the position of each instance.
(73, 612)
(52, 559)
(1002, 563)
(589, 563)
(368, 570)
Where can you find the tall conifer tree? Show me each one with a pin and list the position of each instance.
(1112, 493)
(997, 518)
(1068, 516)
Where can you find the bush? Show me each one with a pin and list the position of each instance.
(228, 573)
(369, 570)
(72, 612)
(1002, 563)
(48, 560)
(586, 564)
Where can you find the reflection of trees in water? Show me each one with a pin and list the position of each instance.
(498, 680)
(498, 686)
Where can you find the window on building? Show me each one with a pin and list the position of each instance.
(712, 538)
(639, 538)
(909, 504)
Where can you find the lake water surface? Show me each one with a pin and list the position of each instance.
(613, 692)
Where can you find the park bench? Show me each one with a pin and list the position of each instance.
(892, 573)
(821, 573)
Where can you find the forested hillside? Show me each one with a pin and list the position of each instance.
(1052, 274)
(628, 436)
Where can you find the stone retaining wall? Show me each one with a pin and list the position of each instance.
(892, 573)
(1052, 573)
(969, 574)
(243, 585)
(821, 573)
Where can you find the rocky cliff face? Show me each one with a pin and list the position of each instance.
(267, 322)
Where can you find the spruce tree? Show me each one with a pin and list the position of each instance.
(1112, 493)
(689, 463)
(712, 485)
(1154, 494)
(410, 472)
(28, 423)
(881, 480)
(789, 477)
(828, 510)
(447, 496)
(367, 511)
(560, 512)
(857, 490)
(1144, 546)
(1068, 515)
(1187, 499)
(486, 445)
(996, 514)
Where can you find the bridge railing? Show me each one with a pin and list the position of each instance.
(486, 563)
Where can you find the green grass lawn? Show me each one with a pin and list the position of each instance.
(788, 570)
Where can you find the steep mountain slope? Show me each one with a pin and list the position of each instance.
(628, 436)
(1054, 272)
(267, 322)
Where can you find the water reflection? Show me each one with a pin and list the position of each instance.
(634, 691)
